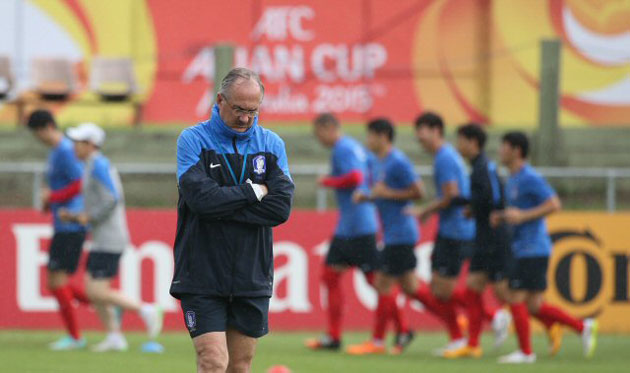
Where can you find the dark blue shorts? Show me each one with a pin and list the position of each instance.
(396, 260)
(102, 265)
(494, 260)
(448, 255)
(65, 251)
(358, 252)
(205, 314)
(529, 273)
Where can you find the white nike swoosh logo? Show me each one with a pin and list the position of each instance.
(212, 165)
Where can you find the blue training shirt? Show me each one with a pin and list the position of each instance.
(64, 168)
(396, 171)
(354, 219)
(448, 167)
(526, 189)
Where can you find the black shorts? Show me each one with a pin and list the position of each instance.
(103, 265)
(493, 259)
(529, 273)
(354, 252)
(205, 314)
(65, 251)
(396, 260)
(448, 255)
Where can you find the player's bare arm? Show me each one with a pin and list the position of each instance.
(449, 192)
(517, 216)
(414, 192)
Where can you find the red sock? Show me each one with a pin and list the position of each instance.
(400, 321)
(475, 316)
(332, 280)
(460, 298)
(547, 323)
(488, 311)
(79, 294)
(556, 314)
(64, 298)
(521, 324)
(441, 309)
(381, 316)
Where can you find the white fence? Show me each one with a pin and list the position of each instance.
(609, 175)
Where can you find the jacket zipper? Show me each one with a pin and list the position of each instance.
(234, 253)
(234, 145)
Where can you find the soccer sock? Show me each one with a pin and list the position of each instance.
(461, 299)
(441, 309)
(556, 314)
(475, 316)
(487, 311)
(400, 321)
(383, 309)
(547, 323)
(521, 324)
(79, 294)
(64, 298)
(332, 280)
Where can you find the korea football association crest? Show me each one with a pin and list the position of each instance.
(191, 320)
(260, 165)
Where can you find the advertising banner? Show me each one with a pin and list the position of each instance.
(588, 274)
(470, 60)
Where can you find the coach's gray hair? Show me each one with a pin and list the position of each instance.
(237, 74)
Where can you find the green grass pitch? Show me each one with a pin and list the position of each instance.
(26, 351)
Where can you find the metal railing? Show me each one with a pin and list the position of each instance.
(610, 175)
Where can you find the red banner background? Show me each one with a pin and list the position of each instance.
(146, 270)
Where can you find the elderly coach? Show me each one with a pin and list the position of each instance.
(234, 186)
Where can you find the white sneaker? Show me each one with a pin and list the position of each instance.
(518, 357)
(589, 337)
(501, 327)
(452, 345)
(113, 342)
(152, 314)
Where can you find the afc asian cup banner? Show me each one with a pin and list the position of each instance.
(588, 273)
(471, 60)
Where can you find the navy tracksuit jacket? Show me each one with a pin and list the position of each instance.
(223, 245)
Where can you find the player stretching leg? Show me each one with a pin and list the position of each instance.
(105, 212)
(64, 180)
(395, 186)
(529, 200)
(354, 242)
(491, 254)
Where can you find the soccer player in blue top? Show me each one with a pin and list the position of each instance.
(354, 241)
(394, 186)
(455, 231)
(530, 199)
(64, 180)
